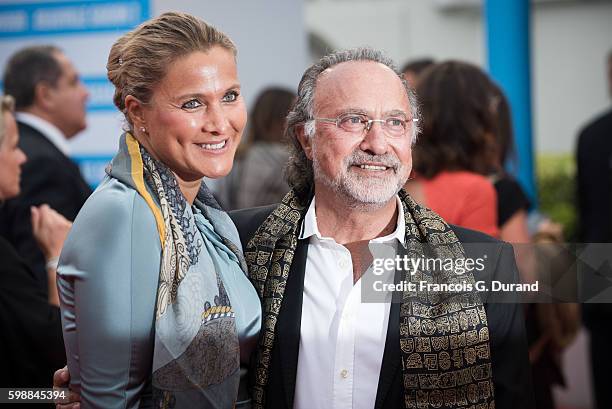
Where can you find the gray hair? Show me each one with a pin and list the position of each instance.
(299, 171)
(7, 104)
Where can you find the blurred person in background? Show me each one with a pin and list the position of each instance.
(50, 103)
(594, 189)
(456, 147)
(256, 178)
(413, 70)
(512, 202)
(551, 327)
(31, 344)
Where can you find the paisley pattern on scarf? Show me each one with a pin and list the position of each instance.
(444, 339)
(177, 204)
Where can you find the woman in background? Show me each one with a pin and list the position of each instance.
(456, 147)
(31, 344)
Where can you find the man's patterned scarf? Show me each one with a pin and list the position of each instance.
(444, 340)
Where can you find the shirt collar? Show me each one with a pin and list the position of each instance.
(50, 131)
(310, 227)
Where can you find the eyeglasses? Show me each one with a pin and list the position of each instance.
(395, 126)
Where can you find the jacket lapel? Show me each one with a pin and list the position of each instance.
(391, 357)
(290, 320)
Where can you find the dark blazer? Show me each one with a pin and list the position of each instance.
(509, 355)
(594, 194)
(31, 343)
(594, 189)
(49, 177)
(594, 171)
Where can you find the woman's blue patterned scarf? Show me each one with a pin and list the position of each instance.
(196, 354)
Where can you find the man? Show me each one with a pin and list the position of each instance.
(594, 169)
(50, 104)
(352, 129)
(321, 345)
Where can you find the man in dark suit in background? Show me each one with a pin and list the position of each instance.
(594, 165)
(50, 109)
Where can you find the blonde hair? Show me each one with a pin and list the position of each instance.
(139, 60)
(7, 104)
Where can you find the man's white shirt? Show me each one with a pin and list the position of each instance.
(342, 340)
(50, 131)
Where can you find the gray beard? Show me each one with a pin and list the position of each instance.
(362, 191)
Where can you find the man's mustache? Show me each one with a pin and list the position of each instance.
(388, 159)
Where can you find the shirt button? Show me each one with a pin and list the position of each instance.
(344, 373)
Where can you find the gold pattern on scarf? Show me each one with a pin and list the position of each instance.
(174, 258)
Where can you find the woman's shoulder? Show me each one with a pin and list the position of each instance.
(114, 213)
(114, 230)
(115, 202)
(108, 191)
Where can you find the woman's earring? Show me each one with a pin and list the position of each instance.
(143, 130)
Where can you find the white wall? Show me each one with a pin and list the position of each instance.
(402, 28)
(570, 45)
(570, 40)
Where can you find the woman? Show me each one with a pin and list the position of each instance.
(31, 337)
(456, 146)
(156, 305)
